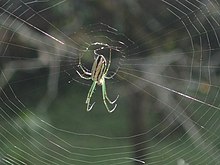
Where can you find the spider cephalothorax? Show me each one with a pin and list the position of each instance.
(98, 75)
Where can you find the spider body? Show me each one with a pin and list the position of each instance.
(99, 69)
(98, 75)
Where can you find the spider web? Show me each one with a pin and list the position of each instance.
(166, 73)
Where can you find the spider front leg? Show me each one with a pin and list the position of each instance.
(105, 97)
(87, 75)
(83, 76)
(91, 91)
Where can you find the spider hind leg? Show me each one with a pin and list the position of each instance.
(89, 107)
(105, 97)
(90, 93)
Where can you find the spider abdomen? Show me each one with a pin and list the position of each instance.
(99, 69)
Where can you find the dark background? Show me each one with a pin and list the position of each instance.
(150, 123)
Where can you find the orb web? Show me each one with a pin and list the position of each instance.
(165, 61)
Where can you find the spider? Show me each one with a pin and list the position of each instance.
(98, 75)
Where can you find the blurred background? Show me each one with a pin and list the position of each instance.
(166, 66)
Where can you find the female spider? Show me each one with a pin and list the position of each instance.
(98, 75)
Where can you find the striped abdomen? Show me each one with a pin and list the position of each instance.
(99, 69)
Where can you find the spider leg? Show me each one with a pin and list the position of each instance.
(90, 93)
(105, 97)
(109, 60)
(112, 102)
(108, 66)
(83, 70)
(87, 75)
(83, 76)
(111, 76)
